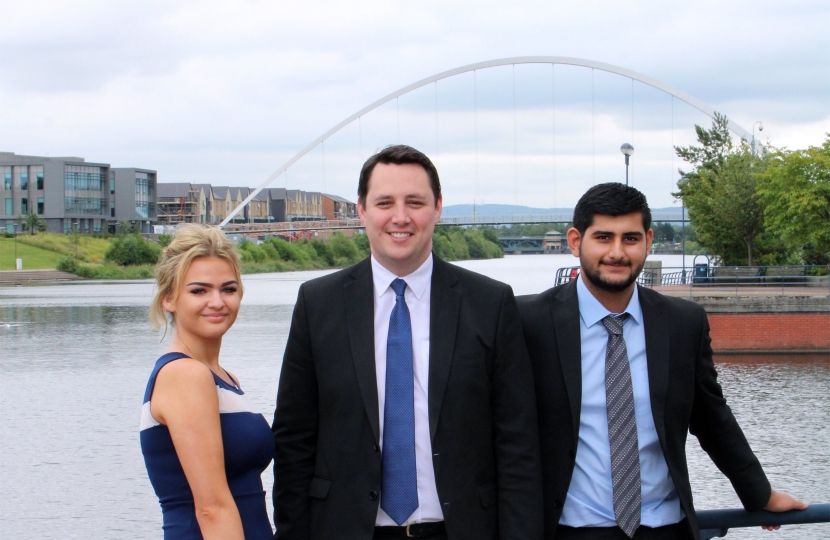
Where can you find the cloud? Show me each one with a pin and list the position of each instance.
(225, 92)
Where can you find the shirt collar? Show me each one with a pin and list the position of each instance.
(417, 281)
(592, 311)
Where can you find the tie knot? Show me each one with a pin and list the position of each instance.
(399, 286)
(614, 323)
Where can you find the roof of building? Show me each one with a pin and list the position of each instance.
(276, 194)
(238, 193)
(337, 198)
(173, 189)
(220, 192)
(206, 187)
(261, 195)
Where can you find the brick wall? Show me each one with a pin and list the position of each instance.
(779, 332)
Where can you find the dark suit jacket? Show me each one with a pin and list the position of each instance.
(685, 395)
(482, 415)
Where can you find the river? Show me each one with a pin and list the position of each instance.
(75, 359)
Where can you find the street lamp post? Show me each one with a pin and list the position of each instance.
(760, 128)
(626, 149)
(14, 228)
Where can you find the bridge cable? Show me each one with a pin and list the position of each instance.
(515, 149)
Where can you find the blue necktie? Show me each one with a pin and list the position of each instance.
(399, 479)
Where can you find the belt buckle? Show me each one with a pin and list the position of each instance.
(407, 532)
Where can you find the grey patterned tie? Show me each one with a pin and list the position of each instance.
(622, 428)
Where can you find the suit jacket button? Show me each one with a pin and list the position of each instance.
(373, 495)
(557, 503)
(376, 447)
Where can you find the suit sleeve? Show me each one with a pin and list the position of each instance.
(295, 430)
(518, 465)
(713, 423)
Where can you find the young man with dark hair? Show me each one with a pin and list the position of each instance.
(405, 405)
(622, 374)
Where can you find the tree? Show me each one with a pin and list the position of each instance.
(796, 190)
(716, 145)
(663, 232)
(33, 222)
(721, 195)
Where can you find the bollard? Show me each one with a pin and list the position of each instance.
(18, 264)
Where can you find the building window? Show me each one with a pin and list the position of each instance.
(112, 212)
(8, 208)
(81, 182)
(40, 206)
(37, 171)
(112, 185)
(85, 205)
(142, 195)
(83, 178)
(24, 205)
(7, 178)
(20, 175)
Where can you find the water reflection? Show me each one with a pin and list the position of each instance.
(76, 357)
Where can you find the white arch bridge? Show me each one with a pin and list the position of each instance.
(676, 94)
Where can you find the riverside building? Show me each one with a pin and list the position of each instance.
(71, 194)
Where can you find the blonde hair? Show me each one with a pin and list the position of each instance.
(190, 242)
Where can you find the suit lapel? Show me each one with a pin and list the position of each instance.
(565, 312)
(657, 355)
(443, 323)
(360, 311)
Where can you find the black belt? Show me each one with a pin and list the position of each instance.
(413, 530)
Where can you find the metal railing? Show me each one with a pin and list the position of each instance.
(724, 276)
(716, 523)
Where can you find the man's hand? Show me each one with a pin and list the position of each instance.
(781, 502)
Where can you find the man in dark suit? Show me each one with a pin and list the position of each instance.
(405, 405)
(622, 374)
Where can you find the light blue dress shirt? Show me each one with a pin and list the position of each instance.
(590, 500)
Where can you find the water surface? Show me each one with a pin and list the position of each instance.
(76, 357)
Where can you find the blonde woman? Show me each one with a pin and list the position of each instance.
(203, 445)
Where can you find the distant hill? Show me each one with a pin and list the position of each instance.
(455, 210)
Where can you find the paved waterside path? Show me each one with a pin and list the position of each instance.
(26, 277)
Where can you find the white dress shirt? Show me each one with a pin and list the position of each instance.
(417, 295)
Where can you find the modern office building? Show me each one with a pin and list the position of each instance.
(69, 193)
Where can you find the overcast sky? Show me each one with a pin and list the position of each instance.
(226, 92)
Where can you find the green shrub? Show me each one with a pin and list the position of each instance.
(257, 252)
(442, 247)
(270, 250)
(245, 255)
(362, 243)
(480, 247)
(290, 252)
(132, 250)
(68, 264)
(344, 250)
(165, 239)
(323, 252)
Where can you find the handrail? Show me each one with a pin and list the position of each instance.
(716, 523)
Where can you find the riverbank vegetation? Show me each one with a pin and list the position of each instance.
(767, 207)
(131, 256)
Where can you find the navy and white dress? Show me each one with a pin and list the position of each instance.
(248, 446)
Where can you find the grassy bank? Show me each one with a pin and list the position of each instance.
(34, 258)
(86, 248)
(98, 258)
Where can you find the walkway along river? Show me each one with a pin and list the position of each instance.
(75, 359)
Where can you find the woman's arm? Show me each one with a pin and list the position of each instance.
(185, 400)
